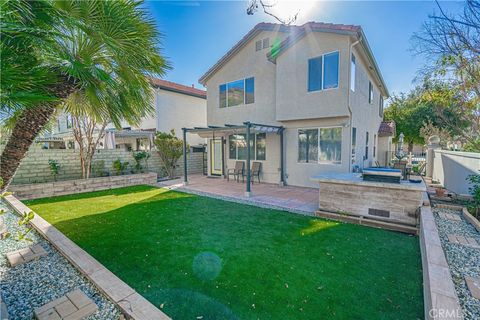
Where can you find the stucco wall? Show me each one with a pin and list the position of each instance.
(451, 168)
(176, 111)
(246, 63)
(299, 174)
(34, 167)
(294, 102)
(365, 115)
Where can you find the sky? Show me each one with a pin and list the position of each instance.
(196, 34)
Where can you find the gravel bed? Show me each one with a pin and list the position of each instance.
(462, 260)
(33, 284)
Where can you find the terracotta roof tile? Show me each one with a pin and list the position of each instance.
(180, 88)
(387, 128)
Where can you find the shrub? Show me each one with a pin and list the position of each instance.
(119, 167)
(170, 149)
(98, 169)
(138, 157)
(54, 168)
(474, 190)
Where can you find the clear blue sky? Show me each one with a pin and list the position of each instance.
(198, 33)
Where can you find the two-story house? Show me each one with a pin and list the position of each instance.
(176, 106)
(319, 87)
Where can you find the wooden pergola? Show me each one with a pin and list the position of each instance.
(248, 128)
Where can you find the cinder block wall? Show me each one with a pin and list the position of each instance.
(35, 169)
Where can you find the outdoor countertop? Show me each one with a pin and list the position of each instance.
(356, 179)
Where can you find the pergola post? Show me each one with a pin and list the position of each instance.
(248, 190)
(185, 178)
(282, 159)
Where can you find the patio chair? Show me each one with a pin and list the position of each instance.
(237, 171)
(254, 172)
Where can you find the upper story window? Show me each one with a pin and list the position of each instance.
(353, 71)
(266, 43)
(370, 92)
(322, 145)
(69, 121)
(237, 92)
(262, 44)
(323, 72)
(380, 107)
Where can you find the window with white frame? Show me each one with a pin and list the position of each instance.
(354, 143)
(237, 93)
(323, 72)
(237, 146)
(380, 108)
(353, 72)
(370, 92)
(320, 145)
(366, 146)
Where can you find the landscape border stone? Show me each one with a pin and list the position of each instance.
(440, 297)
(52, 189)
(132, 305)
(471, 219)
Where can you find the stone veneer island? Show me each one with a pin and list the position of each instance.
(348, 193)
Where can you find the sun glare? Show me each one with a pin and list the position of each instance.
(287, 9)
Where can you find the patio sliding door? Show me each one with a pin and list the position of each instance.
(216, 157)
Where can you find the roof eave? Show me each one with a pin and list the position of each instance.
(368, 50)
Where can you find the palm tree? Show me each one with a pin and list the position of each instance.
(101, 50)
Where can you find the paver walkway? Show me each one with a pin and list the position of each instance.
(287, 197)
(74, 305)
(25, 255)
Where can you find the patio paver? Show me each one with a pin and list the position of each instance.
(25, 255)
(473, 285)
(74, 305)
(450, 216)
(289, 198)
(466, 241)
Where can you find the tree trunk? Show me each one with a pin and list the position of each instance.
(27, 127)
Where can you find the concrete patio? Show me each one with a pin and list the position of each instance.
(290, 198)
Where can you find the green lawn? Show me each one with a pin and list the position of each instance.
(194, 256)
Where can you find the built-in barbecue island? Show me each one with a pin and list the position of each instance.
(366, 199)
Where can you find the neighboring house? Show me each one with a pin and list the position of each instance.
(176, 106)
(386, 147)
(318, 84)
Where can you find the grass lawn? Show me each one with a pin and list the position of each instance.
(195, 257)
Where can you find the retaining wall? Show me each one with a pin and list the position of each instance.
(440, 297)
(51, 189)
(35, 169)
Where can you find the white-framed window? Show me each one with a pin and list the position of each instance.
(354, 143)
(366, 146)
(237, 92)
(353, 71)
(380, 107)
(69, 121)
(320, 145)
(370, 92)
(237, 146)
(258, 45)
(323, 72)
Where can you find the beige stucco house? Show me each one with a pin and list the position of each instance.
(316, 86)
(176, 106)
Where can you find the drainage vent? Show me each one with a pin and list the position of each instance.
(379, 213)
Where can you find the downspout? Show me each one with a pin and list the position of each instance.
(348, 98)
